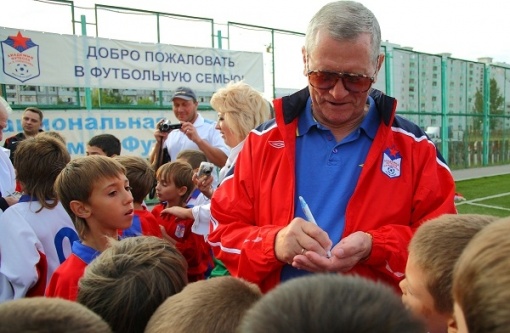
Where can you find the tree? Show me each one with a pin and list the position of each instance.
(145, 101)
(496, 105)
(109, 97)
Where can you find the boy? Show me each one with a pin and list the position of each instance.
(36, 233)
(173, 189)
(130, 279)
(213, 305)
(95, 192)
(141, 178)
(481, 281)
(194, 158)
(330, 303)
(104, 144)
(433, 251)
(42, 315)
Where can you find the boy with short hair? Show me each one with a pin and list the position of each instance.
(95, 192)
(213, 305)
(433, 251)
(173, 189)
(130, 279)
(36, 233)
(141, 178)
(56, 315)
(481, 282)
(194, 158)
(330, 303)
(104, 144)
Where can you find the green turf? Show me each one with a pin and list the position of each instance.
(485, 187)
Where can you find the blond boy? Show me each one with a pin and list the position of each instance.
(433, 251)
(481, 283)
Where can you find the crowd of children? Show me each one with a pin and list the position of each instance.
(82, 252)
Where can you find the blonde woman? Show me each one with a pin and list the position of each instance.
(240, 109)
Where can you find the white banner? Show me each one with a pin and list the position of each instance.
(134, 128)
(47, 59)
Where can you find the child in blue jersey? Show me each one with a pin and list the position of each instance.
(95, 192)
(36, 233)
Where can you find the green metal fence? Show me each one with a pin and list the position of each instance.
(463, 105)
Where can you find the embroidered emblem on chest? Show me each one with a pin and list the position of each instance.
(391, 162)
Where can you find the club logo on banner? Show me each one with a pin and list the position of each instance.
(391, 162)
(20, 56)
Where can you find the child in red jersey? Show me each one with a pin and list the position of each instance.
(173, 189)
(95, 192)
(141, 178)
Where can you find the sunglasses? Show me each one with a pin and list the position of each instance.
(355, 83)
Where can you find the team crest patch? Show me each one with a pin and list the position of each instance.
(20, 57)
(391, 162)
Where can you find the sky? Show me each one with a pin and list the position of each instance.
(466, 29)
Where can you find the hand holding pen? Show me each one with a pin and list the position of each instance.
(310, 217)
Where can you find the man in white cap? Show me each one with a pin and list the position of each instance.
(196, 132)
(7, 175)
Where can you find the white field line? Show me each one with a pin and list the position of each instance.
(474, 201)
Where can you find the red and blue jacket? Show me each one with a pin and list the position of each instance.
(403, 183)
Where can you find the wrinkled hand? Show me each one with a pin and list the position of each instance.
(299, 235)
(204, 184)
(345, 255)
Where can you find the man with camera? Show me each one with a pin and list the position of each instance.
(193, 132)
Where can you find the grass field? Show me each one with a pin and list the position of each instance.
(488, 195)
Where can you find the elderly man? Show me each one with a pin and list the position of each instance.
(370, 176)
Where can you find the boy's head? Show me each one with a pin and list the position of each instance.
(433, 251)
(130, 279)
(84, 176)
(53, 134)
(175, 182)
(140, 174)
(213, 305)
(192, 156)
(42, 314)
(481, 283)
(38, 162)
(330, 303)
(104, 144)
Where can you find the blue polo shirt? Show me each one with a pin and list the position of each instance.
(327, 171)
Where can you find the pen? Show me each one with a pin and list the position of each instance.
(309, 216)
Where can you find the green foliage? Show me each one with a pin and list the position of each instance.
(145, 101)
(105, 97)
(496, 105)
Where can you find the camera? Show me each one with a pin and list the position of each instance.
(167, 126)
(205, 169)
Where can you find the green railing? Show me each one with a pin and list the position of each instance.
(463, 105)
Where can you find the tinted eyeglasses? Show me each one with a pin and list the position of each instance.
(356, 83)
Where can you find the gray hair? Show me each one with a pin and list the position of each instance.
(344, 20)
